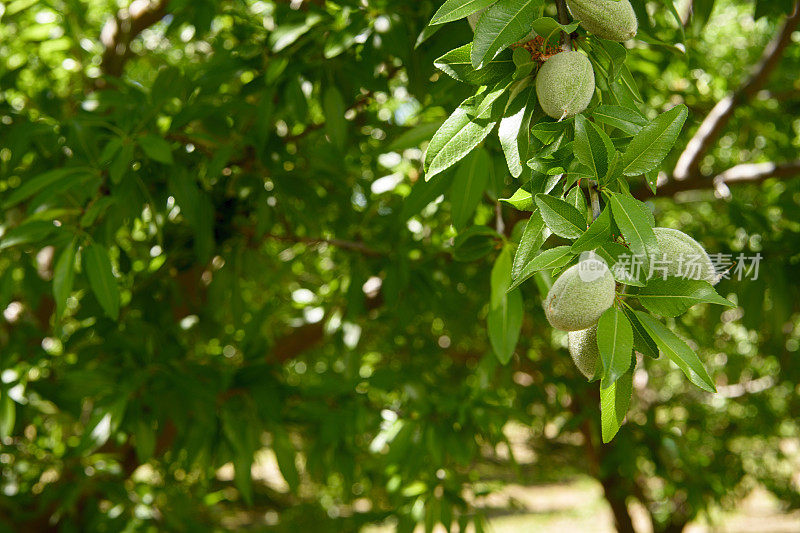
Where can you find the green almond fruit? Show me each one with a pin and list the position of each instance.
(682, 256)
(580, 296)
(614, 20)
(565, 84)
(585, 353)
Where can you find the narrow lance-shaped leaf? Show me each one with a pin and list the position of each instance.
(635, 227)
(63, 277)
(642, 342)
(562, 219)
(471, 180)
(522, 200)
(156, 148)
(504, 23)
(547, 260)
(335, 123)
(458, 65)
(532, 239)
(615, 342)
(624, 119)
(453, 10)
(101, 278)
(504, 321)
(677, 351)
(614, 404)
(511, 134)
(652, 144)
(592, 146)
(457, 137)
(597, 234)
(674, 296)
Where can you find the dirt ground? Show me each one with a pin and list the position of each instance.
(579, 507)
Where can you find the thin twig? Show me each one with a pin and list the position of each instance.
(564, 18)
(688, 166)
(359, 247)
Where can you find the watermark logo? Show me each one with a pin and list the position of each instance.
(591, 267)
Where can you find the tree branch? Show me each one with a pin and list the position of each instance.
(563, 18)
(688, 166)
(746, 173)
(119, 32)
(353, 246)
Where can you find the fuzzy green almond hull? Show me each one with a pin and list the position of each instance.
(682, 256)
(584, 351)
(574, 304)
(565, 85)
(609, 19)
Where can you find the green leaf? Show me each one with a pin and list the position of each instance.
(635, 227)
(335, 123)
(677, 351)
(458, 65)
(97, 266)
(504, 324)
(616, 54)
(547, 26)
(63, 278)
(285, 454)
(453, 10)
(674, 296)
(615, 342)
(504, 321)
(121, 163)
(144, 435)
(547, 260)
(642, 342)
(503, 24)
(474, 243)
(598, 233)
(592, 146)
(614, 170)
(652, 144)
(619, 260)
(457, 137)
(414, 137)
(614, 404)
(624, 119)
(522, 200)
(513, 130)
(425, 192)
(472, 177)
(156, 148)
(628, 83)
(576, 199)
(31, 186)
(532, 239)
(32, 231)
(501, 276)
(562, 219)
(8, 414)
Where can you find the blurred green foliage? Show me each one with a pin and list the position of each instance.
(228, 252)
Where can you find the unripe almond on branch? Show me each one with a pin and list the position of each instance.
(584, 351)
(614, 20)
(580, 296)
(565, 84)
(683, 256)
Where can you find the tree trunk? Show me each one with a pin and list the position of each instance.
(614, 490)
(673, 528)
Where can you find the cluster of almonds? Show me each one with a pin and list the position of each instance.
(577, 300)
